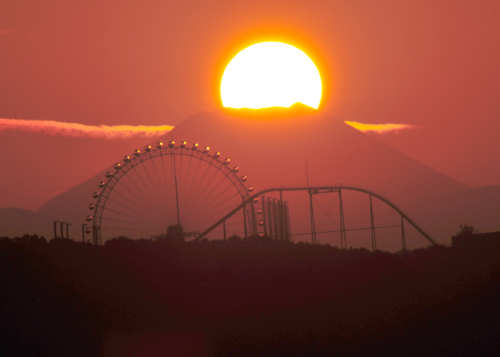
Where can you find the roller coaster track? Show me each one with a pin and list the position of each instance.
(322, 189)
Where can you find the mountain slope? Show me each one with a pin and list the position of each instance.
(275, 151)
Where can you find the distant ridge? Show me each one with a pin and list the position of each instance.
(17, 221)
(296, 109)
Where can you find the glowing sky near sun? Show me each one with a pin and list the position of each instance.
(270, 74)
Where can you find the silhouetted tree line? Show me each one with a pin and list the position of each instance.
(244, 297)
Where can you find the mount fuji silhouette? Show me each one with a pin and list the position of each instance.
(298, 146)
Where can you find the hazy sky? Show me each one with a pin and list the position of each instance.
(432, 64)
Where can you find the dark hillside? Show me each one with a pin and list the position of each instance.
(245, 297)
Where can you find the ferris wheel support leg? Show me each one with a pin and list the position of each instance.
(176, 192)
(372, 226)
(311, 217)
(343, 241)
(245, 232)
(287, 222)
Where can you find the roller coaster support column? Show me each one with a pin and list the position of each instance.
(55, 229)
(287, 222)
(264, 215)
(403, 235)
(282, 220)
(282, 213)
(274, 214)
(343, 240)
(276, 220)
(255, 229)
(269, 218)
(372, 226)
(311, 217)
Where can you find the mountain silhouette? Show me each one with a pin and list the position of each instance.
(283, 147)
(17, 221)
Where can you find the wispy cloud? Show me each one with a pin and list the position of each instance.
(50, 127)
(379, 128)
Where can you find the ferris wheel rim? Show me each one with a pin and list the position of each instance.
(214, 159)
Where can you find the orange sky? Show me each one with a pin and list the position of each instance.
(431, 64)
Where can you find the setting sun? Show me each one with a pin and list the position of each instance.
(270, 74)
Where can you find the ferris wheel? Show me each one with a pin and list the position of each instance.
(171, 184)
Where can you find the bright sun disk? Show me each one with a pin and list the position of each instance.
(270, 74)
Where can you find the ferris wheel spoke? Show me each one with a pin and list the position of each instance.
(133, 182)
(224, 205)
(175, 187)
(166, 169)
(164, 178)
(196, 179)
(117, 203)
(215, 192)
(137, 177)
(230, 196)
(203, 176)
(187, 176)
(147, 174)
(122, 209)
(121, 213)
(143, 176)
(154, 173)
(210, 178)
(190, 185)
(209, 183)
(126, 199)
(204, 187)
(158, 173)
(215, 195)
(182, 182)
(125, 195)
(180, 165)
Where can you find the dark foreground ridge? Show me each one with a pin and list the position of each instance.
(252, 297)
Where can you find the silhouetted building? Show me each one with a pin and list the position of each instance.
(467, 239)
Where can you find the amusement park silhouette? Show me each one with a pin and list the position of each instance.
(264, 184)
(261, 216)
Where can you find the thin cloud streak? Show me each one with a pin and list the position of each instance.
(58, 128)
(379, 128)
